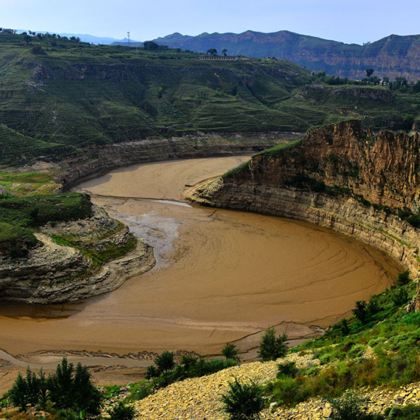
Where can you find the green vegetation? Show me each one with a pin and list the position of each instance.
(16, 241)
(230, 351)
(68, 390)
(376, 348)
(97, 256)
(25, 183)
(59, 95)
(165, 371)
(351, 407)
(21, 216)
(275, 150)
(272, 347)
(243, 401)
(122, 412)
(408, 412)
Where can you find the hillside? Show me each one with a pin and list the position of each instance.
(393, 56)
(59, 96)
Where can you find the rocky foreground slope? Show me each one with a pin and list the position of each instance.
(340, 177)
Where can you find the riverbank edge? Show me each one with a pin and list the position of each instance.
(100, 160)
(341, 214)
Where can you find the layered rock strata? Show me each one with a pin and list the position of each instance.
(99, 160)
(55, 272)
(340, 177)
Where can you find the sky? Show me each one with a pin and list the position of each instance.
(349, 21)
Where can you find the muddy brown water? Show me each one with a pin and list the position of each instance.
(221, 276)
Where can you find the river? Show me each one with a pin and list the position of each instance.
(221, 276)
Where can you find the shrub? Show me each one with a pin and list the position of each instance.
(122, 412)
(272, 347)
(344, 327)
(287, 369)
(30, 390)
(152, 372)
(243, 401)
(350, 407)
(15, 241)
(403, 278)
(289, 391)
(67, 389)
(373, 307)
(408, 412)
(187, 361)
(165, 361)
(361, 312)
(335, 379)
(190, 367)
(141, 390)
(37, 50)
(399, 296)
(230, 351)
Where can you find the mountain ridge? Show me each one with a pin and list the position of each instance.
(392, 56)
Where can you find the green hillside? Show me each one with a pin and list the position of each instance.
(59, 95)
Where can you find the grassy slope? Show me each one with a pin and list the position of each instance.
(73, 95)
(383, 350)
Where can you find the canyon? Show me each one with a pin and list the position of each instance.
(341, 177)
(185, 303)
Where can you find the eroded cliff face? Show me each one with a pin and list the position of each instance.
(56, 272)
(99, 160)
(339, 177)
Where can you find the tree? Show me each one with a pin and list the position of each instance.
(403, 278)
(344, 327)
(86, 396)
(122, 412)
(150, 46)
(212, 52)
(369, 72)
(165, 361)
(243, 401)
(224, 52)
(38, 50)
(73, 389)
(27, 38)
(61, 385)
(272, 347)
(31, 390)
(361, 312)
(230, 351)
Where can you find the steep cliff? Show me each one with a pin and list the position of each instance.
(391, 56)
(340, 177)
(98, 160)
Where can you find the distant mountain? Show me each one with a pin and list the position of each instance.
(393, 56)
(91, 39)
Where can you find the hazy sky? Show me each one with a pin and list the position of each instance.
(344, 20)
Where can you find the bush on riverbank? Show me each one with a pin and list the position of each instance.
(166, 371)
(272, 347)
(68, 390)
